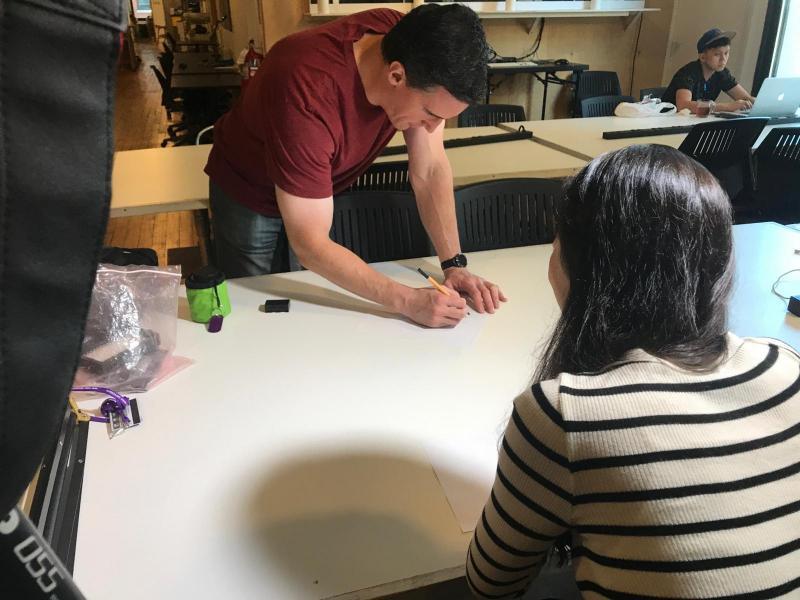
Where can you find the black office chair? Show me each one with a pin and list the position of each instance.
(168, 100)
(655, 92)
(595, 83)
(777, 182)
(171, 103)
(386, 177)
(205, 136)
(602, 106)
(481, 115)
(166, 60)
(169, 42)
(723, 147)
(379, 226)
(506, 213)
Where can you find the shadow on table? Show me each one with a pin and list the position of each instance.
(301, 291)
(346, 521)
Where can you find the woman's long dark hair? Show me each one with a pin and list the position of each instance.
(646, 241)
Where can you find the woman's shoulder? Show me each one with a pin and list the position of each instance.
(746, 360)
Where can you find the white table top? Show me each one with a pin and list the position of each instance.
(520, 158)
(159, 180)
(583, 138)
(289, 461)
(764, 251)
(170, 179)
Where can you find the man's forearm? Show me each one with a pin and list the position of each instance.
(340, 266)
(437, 210)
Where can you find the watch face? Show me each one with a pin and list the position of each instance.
(459, 260)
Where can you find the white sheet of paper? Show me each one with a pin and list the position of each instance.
(465, 465)
(462, 335)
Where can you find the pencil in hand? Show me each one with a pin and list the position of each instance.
(439, 287)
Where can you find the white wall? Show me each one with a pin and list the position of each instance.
(247, 25)
(691, 18)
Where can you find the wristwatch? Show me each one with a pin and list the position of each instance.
(459, 260)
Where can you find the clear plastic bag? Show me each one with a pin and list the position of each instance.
(131, 327)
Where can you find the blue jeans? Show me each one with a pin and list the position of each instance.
(246, 242)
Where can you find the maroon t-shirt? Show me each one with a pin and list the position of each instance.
(304, 123)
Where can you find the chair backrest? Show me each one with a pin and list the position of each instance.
(482, 115)
(602, 106)
(781, 147)
(778, 175)
(379, 226)
(596, 83)
(205, 136)
(721, 144)
(162, 81)
(723, 147)
(654, 92)
(506, 213)
(166, 61)
(386, 177)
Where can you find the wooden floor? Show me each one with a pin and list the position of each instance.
(141, 122)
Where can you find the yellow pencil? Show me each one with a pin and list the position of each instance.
(439, 287)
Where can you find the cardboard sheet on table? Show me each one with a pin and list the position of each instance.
(465, 465)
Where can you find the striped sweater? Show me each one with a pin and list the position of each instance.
(675, 484)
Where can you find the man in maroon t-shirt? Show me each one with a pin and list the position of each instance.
(322, 106)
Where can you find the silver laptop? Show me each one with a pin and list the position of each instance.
(778, 97)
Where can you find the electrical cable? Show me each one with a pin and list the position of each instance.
(778, 280)
(636, 51)
(494, 56)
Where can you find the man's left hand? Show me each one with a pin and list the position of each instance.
(482, 295)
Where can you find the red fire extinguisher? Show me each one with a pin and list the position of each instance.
(252, 60)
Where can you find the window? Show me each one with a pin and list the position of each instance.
(787, 53)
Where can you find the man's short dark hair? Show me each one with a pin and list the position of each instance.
(718, 43)
(441, 46)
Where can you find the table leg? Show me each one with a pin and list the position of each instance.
(202, 225)
(575, 106)
(544, 96)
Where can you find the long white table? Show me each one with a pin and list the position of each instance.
(519, 158)
(159, 180)
(170, 179)
(583, 138)
(289, 462)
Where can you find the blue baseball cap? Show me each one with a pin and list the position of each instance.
(712, 35)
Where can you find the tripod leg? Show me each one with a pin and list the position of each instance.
(29, 566)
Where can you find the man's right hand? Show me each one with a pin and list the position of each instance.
(735, 105)
(431, 308)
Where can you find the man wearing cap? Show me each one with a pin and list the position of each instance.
(706, 77)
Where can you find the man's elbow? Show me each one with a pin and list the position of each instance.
(308, 250)
(419, 180)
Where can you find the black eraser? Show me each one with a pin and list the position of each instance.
(273, 306)
(794, 305)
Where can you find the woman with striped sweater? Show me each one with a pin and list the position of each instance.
(668, 448)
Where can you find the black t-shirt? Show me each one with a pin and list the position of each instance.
(690, 77)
